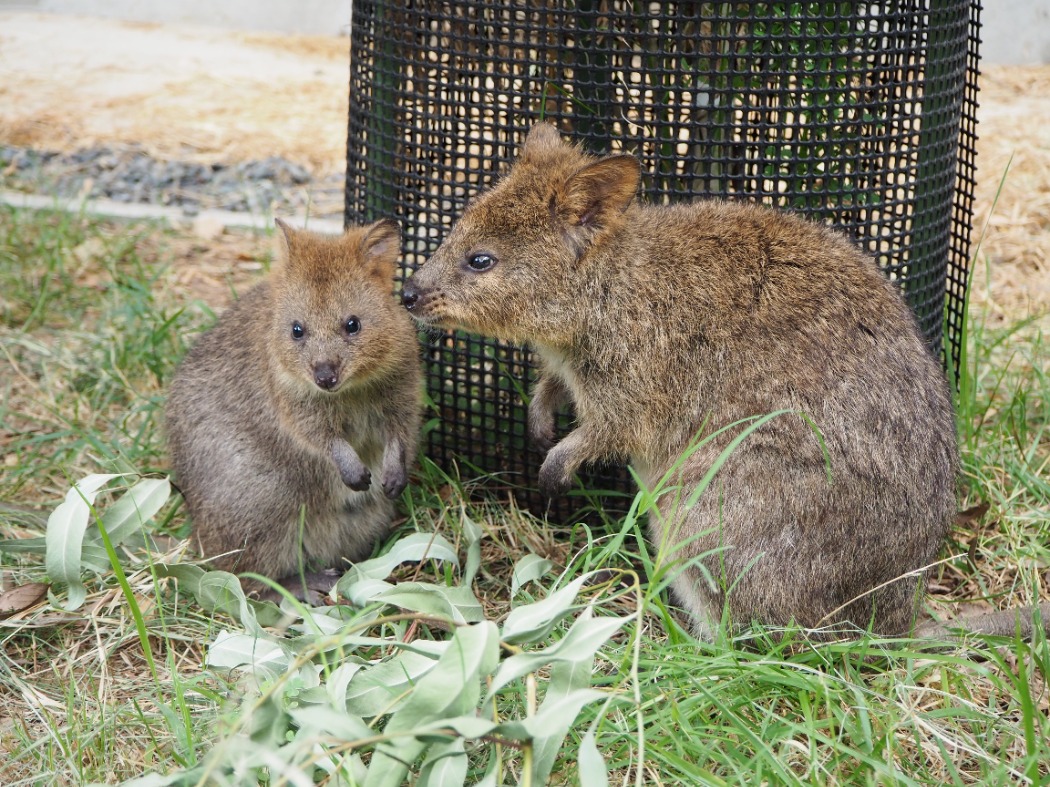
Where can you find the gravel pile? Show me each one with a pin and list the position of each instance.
(129, 174)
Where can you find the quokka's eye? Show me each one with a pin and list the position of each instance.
(352, 325)
(298, 332)
(481, 261)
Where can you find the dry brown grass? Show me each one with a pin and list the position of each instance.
(1014, 150)
(197, 93)
(335, 49)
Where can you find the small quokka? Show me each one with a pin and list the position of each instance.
(663, 326)
(293, 422)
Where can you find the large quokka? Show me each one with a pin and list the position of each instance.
(292, 423)
(660, 326)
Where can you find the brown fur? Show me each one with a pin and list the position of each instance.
(661, 325)
(264, 429)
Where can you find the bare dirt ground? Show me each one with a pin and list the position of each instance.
(187, 92)
(200, 93)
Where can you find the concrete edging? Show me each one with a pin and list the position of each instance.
(171, 215)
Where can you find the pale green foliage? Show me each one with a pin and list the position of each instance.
(69, 543)
(344, 684)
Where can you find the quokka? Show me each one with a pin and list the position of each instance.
(292, 423)
(665, 326)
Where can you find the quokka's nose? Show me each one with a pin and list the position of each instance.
(409, 295)
(326, 376)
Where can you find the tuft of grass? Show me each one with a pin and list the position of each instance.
(92, 321)
(1004, 437)
(89, 334)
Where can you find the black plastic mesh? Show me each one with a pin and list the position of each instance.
(860, 113)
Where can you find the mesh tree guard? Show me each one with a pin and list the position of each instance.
(858, 113)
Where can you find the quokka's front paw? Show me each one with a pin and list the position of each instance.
(351, 469)
(394, 482)
(555, 479)
(541, 432)
(358, 479)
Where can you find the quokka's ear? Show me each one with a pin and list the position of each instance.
(286, 238)
(542, 138)
(381, 246)
(593, 197)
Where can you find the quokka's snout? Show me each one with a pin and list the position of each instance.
(326, 375)
(410, 294)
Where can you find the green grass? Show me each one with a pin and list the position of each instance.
(92, 321)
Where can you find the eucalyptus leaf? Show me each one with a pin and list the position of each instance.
(314, 621)
(445, 765)
(65, 537)
(567, 675)
(390, 762)
(280, 770)
(362, 591)
(313, 697)
(333, 758)
(578, 646)
(382, 688)
(412, 711)
(456, 603)
(268, 725)
(452, 687)
(230, 650)
(325, 620)
(306, 682)
(345, 727)
(528, 569)
(412, 548)
(551, 724)
(530, 622)
(220, 591)
(591, 764)
(571, 659)
(137, 506)
(339, 681)
(566, 679)
(94, 557)
(469, 726)
(356, 769)
(472, 534)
